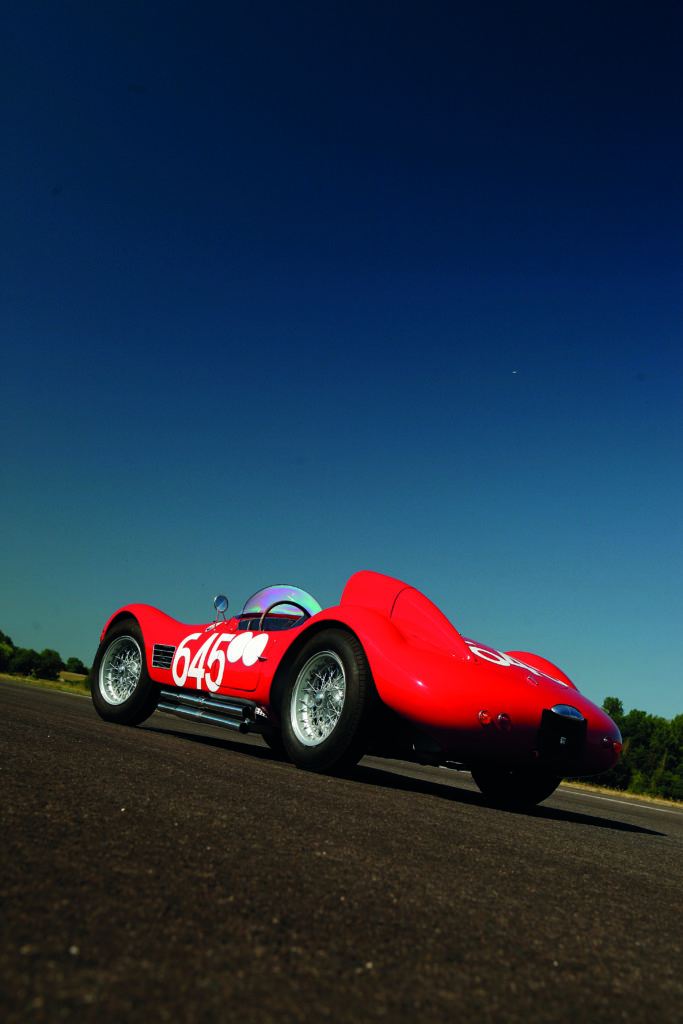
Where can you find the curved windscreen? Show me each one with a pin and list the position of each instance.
(266, 598)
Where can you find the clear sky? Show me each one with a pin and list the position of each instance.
(289, 290)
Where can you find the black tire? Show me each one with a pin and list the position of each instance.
(524, 788)
(121, 688)
(328, 703)
(273, 738)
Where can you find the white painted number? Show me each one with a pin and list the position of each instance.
(217, 657)
(506, 660)
(196, 669)
(181, 661)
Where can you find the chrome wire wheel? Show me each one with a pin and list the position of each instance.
(120, 670)
(318, 698)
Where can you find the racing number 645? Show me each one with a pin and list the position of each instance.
(207, 664)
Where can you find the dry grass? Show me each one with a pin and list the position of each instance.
(72, 683)
(592, 788)
(72, 677)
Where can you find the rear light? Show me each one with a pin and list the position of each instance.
(503, 721)
(611, 744)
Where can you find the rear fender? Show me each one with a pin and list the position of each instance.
(413, 614)
(408, 671)
(372, 629)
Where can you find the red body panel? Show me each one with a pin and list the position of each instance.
(423, 670)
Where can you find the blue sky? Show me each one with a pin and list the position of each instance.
(291, 290)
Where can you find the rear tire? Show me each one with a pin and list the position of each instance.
(523, 788)
(273, 738)
(121, 688)
(328, 703)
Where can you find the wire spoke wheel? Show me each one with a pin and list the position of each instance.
(318, 698)
(120, 670)
(121, 687)
(329, 703)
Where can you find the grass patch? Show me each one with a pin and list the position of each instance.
(590, 787)
(72, 684)
(73, 677)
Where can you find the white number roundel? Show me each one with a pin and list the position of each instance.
(238, 646)
(254, 649)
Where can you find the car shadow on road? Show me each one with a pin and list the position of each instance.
(246, 744)
(370, 775)
(445, 791)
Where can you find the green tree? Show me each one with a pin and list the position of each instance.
(652, 757)
(24, 662)
(670, 786)
(76, 665)
(50, 664)
(6, 652)
(618, 777)
(614, 708)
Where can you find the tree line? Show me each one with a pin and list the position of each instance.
(651, 762)
(24, 661)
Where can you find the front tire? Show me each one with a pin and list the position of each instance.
(328, 703)
(121, 688)
(515, 789)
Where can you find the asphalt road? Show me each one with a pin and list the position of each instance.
(179, 873)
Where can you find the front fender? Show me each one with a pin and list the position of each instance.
(150, 620)
(156, 626)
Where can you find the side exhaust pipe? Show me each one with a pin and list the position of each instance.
(226, 712)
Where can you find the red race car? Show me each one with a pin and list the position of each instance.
(384, 673)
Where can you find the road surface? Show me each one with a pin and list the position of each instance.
(180, 873)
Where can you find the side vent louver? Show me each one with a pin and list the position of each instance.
(162, 656)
